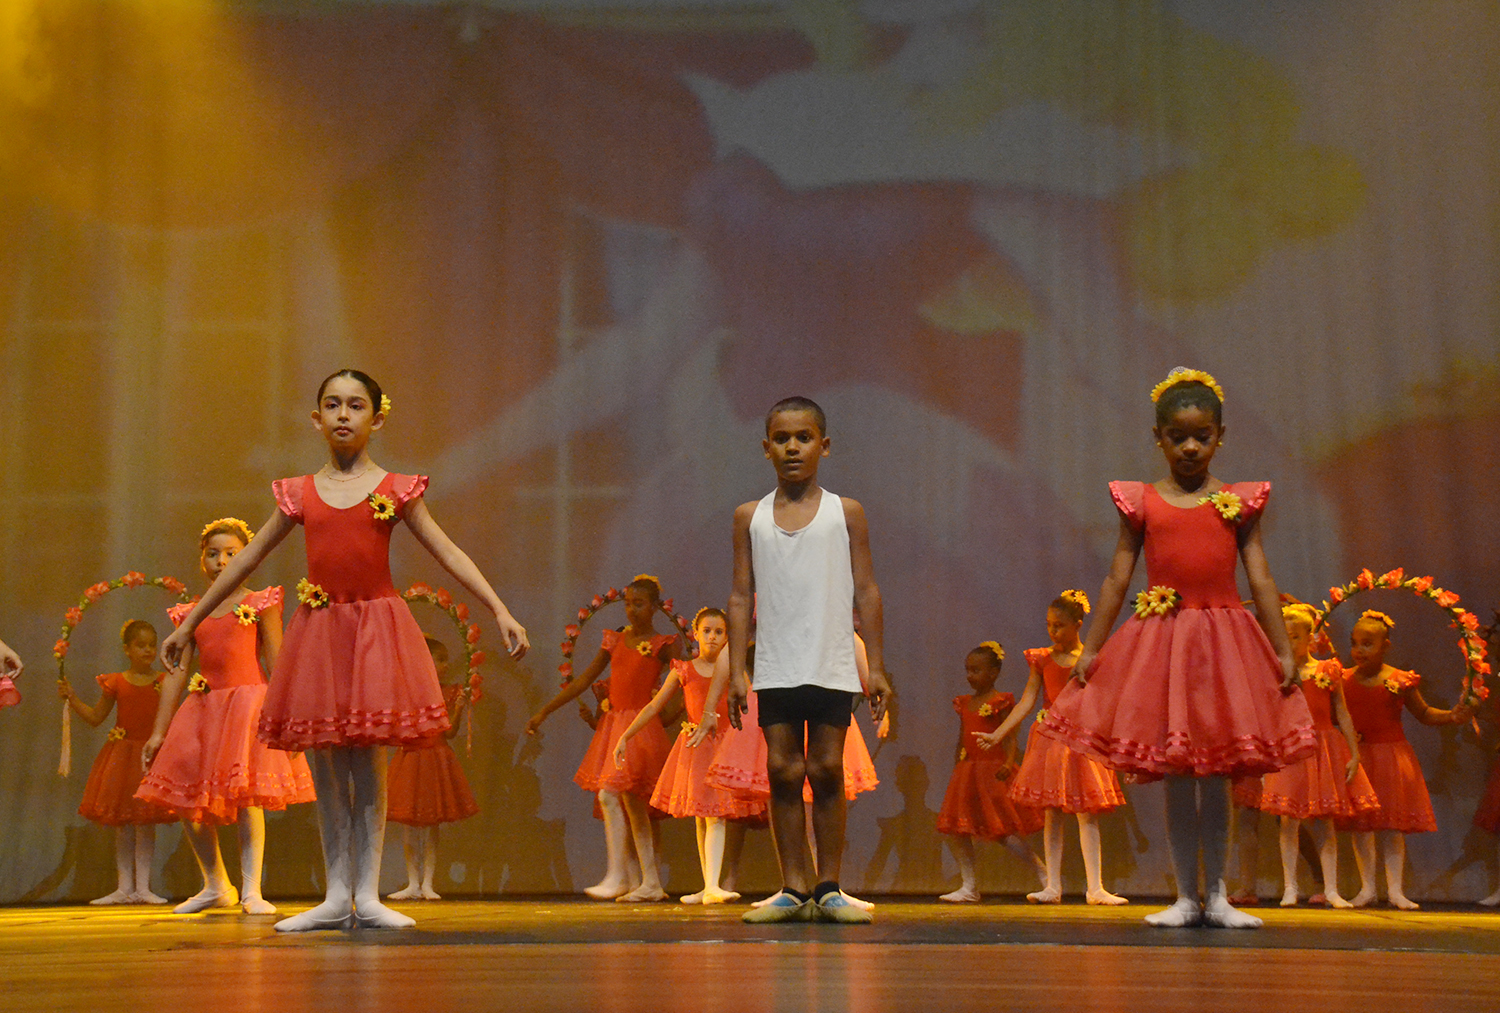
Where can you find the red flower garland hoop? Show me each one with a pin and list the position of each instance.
(93, 593)
(468, 632)
(599, 601)
(1470, 643)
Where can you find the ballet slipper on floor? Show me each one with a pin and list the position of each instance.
(118, 897)
(428, 893)
(375, 915)
(643, 895)
(1403, 903)
(1492, 900)
(410, 892)
(327, 916)
(1362, 899)
(257, 905)
(1104, 898)
(963, 895)
(1333, 900)
(1046, 895)
(146, 897)
(691, 898)
(1289, 899)
(607, 890)
(719, 896)
(1184, 914)
(205, 900)
(1219, 913)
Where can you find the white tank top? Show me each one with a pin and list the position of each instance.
(804, 600)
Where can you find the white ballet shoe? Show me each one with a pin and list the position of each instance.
(409, 892)
(1046, 895)
(1492, 900)
(1103, 898)
(203, 900)
(1289, 899)
(374, 915)
(1335, 901)
(643, 895)
(118, 897)
(1403, 903)
(146, 897)
(326, 916)
(607, 890)
(963, 895)
(428, 893)
(719, 897)
(1362, 899)
(766, 900)
(1184, 914)
(863, 905)
(255, 904)
(691, 898)
(1221, 914)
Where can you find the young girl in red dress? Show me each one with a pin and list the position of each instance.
(1194, 687)
(978, 803)
(1327, 785)
(635, 657)
(1052, 777)
(683, 789)
(1376, 694)
(353, 674)
(109, 796)
(427, 787)
(205, 763)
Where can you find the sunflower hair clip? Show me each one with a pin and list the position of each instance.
(385, 405)
(654, 581)
(1077, 598)
(1181, 374)
(995, 649)
(1379, 617)
(234, 524)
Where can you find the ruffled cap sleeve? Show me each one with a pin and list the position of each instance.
(609, 639)
(109, 682)
(1130, 500)
(288, 493)
(177, 613)
(1004, 702)
(958, 704)
(271, 597)
(1036, 657)
(1253, 497)
(406, 488)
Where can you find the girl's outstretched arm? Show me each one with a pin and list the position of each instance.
(716, 686)
(10, 661)
(571, 691)
(269, 638)
(457, 563)
(1267, 602)
(1346, 725)
(172, 685)
(1018, 713)
(232, 576)
(1111, 597)
(94, 715)
(1430, 715)
(646, 713)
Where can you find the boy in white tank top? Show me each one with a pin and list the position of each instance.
(802, 562)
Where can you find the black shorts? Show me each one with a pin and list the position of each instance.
(805, 705)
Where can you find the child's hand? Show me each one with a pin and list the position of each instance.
(879, 693)
(739, 699)
(148, 751)
(987, 740)
(173, 648)
(1081, 667)
(587, 714)
(1351, 768)
(64, 689)
(534, 724)
(620, 753)
(512, 634)
(1461, 712)
(707, 727)
(10, 661)
(1288, 674)
(1006, 772)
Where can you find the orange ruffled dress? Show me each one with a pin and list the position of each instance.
(632, 684)
(1052, 776)
(977, 803)
(1315, 788)
(354, 671)
(683, 788)
(739, 764)
(1387, 758)
(211, 765)
(109, 796)
(1196, 691)
(426, 786)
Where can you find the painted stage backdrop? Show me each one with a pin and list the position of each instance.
(585, 245)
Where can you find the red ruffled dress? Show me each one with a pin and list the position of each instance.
(211, 765)
(1196, 691)
(426, 786)
(354, 671)
(109, 796)
(739, 764)
(1387, 758)
(977, 803)
(683, 788)
(1052, 776)
(1315, 788)
(632, 684)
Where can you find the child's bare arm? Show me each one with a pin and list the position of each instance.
(741, 597)
(1346, 725)
(646, 713)
(571, 691)
(1430, 715)
(10, 661)
(716, 687)
(172, 685)
(1111, 598)
(269, 637)
(94, 715)
(1017, 715)
(867, 600)
(1267, 602)
(456, 562)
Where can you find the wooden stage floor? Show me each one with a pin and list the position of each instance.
(564, 954)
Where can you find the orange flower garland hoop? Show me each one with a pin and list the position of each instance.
(1471, 642)
(468, 632)
(600, 601)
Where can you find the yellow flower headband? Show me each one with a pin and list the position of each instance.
(234, 524)
(699, 614)
(1184, 375)
(1379, 617)
(654, 582)
(1302, 613)
(125, 628)
(1077, 598)
(385, 405)
(995, 648)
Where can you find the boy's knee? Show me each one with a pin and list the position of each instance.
(786, 773)
(824, 777)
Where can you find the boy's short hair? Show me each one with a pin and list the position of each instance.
(799, 404)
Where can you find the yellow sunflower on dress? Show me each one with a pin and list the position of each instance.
(383, 507)
(197, 684)
(1227, 503)
(246, 615)
(311, 594)
(643, 648)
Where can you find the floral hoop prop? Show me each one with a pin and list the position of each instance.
(74, 616)
(600, 601)
(468, 632)
(1471, 643)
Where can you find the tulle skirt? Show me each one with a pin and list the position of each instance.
(739, 765)
(978, 804)
(1196, 692)
(425, 787)
(683, 788)
(109, 796)
(210, 765)
(1315, 788)
(645, 755)
(1397, 779)
(353, 674)
(1487, 817)
(1052, 776)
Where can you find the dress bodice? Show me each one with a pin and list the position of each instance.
(1193, 550)
(632, 675)
(348, 550)
(1376, 710)
(228, 645)
(135, 706)
(974, 723)
(1054, 676)
(695, 691)
(1320, 700)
